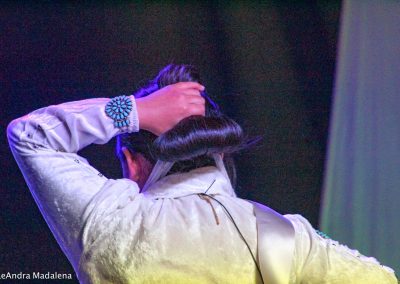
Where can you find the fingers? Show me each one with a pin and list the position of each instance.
(191, 96)
(190, 85)
(197, 100)
(187, 95)
(198, 109)
(190, 92)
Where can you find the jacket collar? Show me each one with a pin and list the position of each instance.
(202, 180)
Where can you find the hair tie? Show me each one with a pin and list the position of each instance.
(215, 107)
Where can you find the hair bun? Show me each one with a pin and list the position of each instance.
(196, 136)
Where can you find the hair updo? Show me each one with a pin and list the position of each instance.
(192, 141)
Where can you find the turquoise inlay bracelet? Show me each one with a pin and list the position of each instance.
(119, 109)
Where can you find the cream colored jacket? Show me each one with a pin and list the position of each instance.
(113, 233)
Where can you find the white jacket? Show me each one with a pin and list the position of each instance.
(112, 233)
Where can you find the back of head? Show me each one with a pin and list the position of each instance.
(192, 141)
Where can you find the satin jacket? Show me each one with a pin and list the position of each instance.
(113, 233)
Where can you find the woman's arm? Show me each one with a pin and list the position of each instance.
(322, 260)
(45, 145)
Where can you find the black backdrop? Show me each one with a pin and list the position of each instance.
(270, 66)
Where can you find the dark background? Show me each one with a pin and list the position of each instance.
(270, 67)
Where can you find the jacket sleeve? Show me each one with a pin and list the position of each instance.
(45, 145)
(322, 260)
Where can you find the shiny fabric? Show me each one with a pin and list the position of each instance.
(275, 247)
(113, 233)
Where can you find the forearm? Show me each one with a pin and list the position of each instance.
(45, 143)
(69, 127)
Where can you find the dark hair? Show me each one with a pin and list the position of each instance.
(190, 142)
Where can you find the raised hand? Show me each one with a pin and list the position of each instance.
(164, 108)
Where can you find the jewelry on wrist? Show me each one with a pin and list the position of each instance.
(119, 109)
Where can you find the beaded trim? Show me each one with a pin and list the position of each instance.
(322, 234)
(118, 109)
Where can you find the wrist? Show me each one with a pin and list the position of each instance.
(142, 114)
(123, 111)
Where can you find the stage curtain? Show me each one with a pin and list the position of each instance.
(361, 194)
